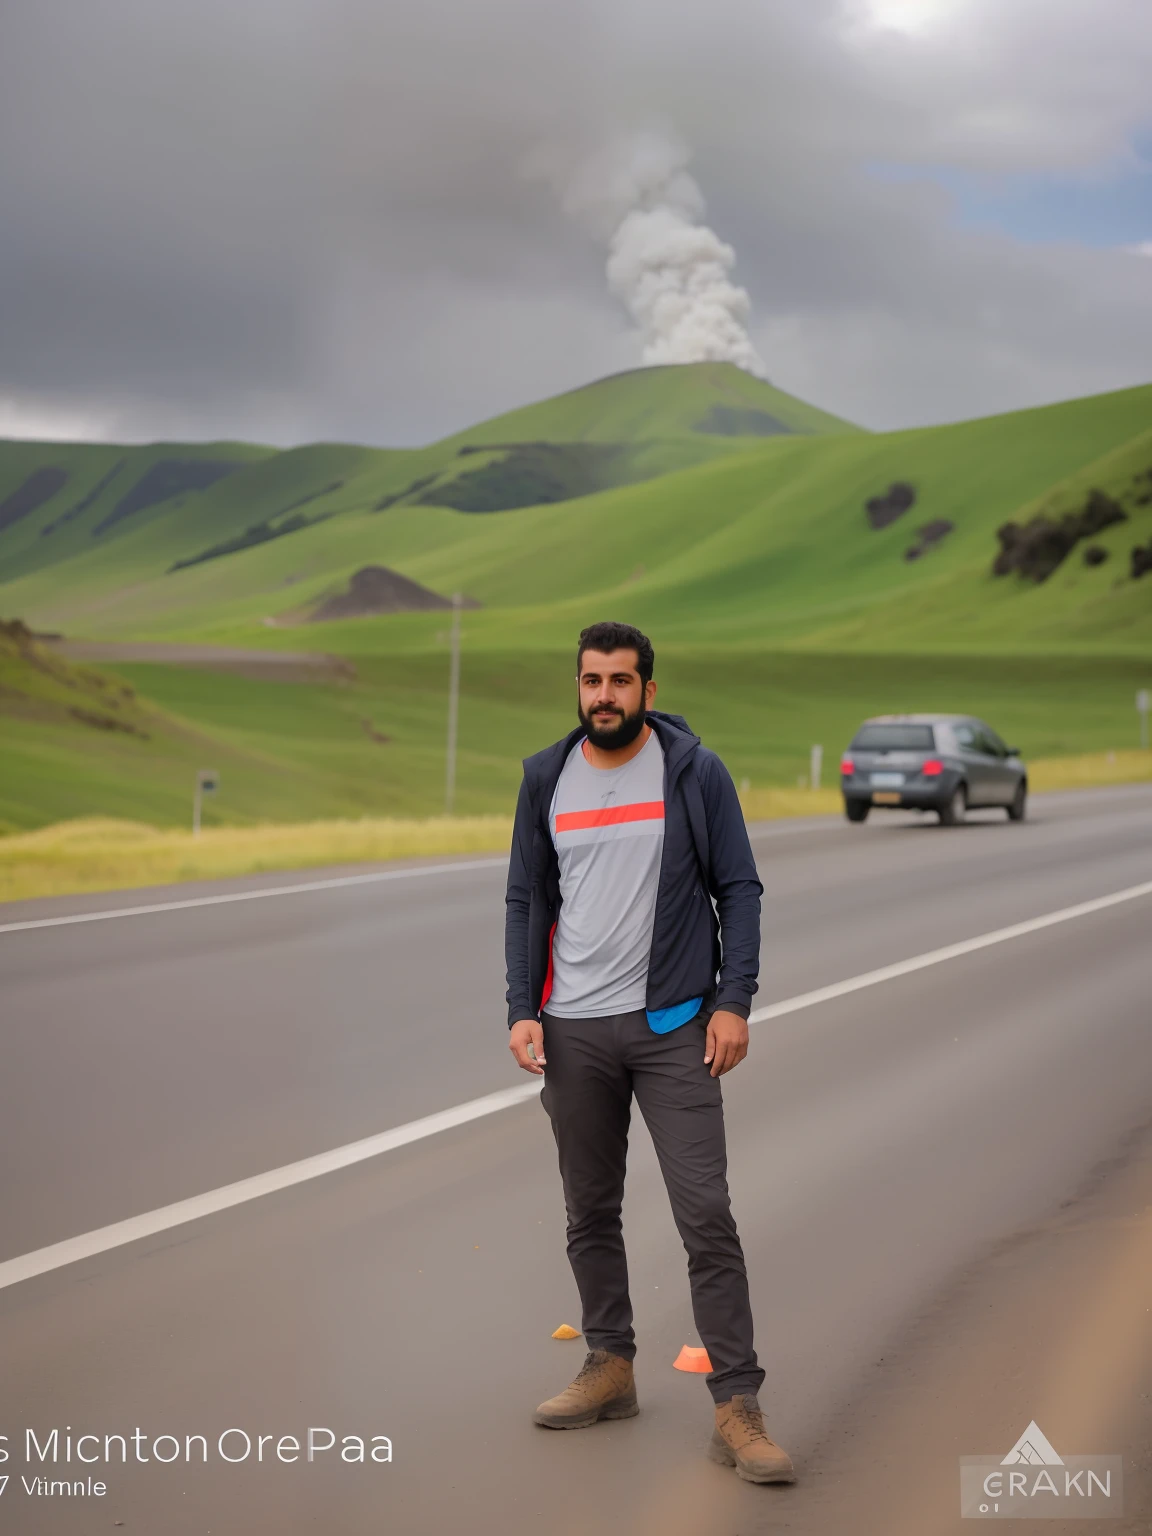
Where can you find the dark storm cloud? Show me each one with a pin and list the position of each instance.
(301, 218)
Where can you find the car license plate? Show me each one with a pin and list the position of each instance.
(885, 797)
(887, 780)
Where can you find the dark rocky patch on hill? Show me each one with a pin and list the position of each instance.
(36, 684)
(896, 500)
(737, 421)
(255, 533)
(80, 507)
(532, 475)
(302, 501)
(409, 490)
(374, 589)
(928, 537)
(1035, 549)
(40, 486)
(16, 633)
(1142, 488)
(1095, 554)
(1141, 560)
(165, 479)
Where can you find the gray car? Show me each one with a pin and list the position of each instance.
(949, 764)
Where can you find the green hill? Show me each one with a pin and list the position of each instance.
(794, 572)
(714, 399)
(769, 543)
(121, 508)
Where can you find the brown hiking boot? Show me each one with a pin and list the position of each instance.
(603, 1389)
(741, 1441)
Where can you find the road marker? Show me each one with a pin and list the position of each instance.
(690, 1359)
(273, 890)
(42, 1260)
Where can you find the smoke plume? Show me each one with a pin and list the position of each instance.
(668, 269)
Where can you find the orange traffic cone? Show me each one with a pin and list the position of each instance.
(564, 1332)
(690, 1359)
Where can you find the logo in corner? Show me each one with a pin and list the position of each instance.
(1034, 1449)
(1034, 1482)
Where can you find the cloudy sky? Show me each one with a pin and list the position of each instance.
(299, 219)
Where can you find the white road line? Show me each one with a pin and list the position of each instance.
(41, 1260)
(12, 1271)
(273, 890)
(949, 952)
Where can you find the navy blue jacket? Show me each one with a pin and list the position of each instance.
(698, 949)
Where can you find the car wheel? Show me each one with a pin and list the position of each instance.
(856, 810)
(1019, 807)
(953, 812)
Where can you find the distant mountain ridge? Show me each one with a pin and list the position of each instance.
(60, 501)
(621, 492)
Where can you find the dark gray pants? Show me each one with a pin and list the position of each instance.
(593, 1067)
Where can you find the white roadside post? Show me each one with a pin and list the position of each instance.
(815, 765)
(207, 781)
(453, 706)
(1142, 701)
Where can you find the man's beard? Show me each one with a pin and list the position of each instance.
(621, 734)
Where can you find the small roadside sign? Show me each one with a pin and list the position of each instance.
(815, 764)
(207, 783)
(1142, 704)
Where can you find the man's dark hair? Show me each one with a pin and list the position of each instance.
(608, 637)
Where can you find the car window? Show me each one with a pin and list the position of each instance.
(995, 745)
(894, 738)
(966, 738)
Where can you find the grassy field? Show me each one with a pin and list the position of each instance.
(103, 854)
(780, 616)
(299, 751)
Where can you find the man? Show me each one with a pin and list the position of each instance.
(624, 978)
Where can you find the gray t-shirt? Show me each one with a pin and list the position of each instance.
(608, 828)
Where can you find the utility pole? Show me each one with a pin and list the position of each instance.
(453, 706)
(1142, 702)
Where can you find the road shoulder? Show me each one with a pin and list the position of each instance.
(1052, 1325)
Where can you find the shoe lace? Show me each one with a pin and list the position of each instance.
(751, 1419)
(593, 1364)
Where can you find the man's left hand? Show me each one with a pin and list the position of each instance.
(727, 1042)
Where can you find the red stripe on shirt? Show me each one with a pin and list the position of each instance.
(610, 816)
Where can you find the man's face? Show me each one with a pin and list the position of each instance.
(611, 699)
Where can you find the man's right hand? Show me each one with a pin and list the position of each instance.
(525, 1033)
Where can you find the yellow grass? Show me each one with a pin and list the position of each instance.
(100, 854)
(1093, 769)
(768, 804)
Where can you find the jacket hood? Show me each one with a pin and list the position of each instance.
(677, 723)
(676, 737)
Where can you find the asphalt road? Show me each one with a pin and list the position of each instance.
(878, 1143)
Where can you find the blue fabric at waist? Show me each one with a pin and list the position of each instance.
(664, 1020)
